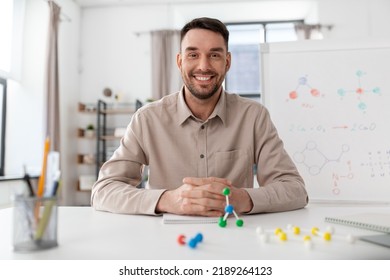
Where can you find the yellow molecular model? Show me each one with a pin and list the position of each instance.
(282, 235)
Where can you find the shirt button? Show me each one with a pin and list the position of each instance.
(201, 155)
(202, 127)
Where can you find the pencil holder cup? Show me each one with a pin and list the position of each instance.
(34, 223)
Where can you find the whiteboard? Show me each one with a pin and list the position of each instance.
(330, 102)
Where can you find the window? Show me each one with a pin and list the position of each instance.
(280, 32)
(11, 22)
(244, 45)
(3, 96)
(244, 75)
(6, 16)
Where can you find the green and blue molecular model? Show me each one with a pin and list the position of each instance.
(229, 209)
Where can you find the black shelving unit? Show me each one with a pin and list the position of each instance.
(103, 110)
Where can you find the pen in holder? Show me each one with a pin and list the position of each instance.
(34, 223)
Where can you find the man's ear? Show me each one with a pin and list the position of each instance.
(178, 60)
(228, 61)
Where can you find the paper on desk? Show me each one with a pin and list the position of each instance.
(184, 219)
(371, 221)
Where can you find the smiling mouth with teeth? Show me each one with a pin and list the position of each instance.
(202, 78)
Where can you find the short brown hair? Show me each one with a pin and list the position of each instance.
(211, 24)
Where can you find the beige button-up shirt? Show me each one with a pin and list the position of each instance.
(168, 138)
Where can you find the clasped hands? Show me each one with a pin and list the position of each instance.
(203, 197)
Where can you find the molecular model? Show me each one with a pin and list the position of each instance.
(229, 209)
(307, 237)
(193, 241)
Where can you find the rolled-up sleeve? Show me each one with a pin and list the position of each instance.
(281, 186)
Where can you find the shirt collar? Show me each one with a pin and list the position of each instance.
(184, 112)
(182, 109)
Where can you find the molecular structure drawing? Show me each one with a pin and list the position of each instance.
(359, 91)
(338, 177)
(303, 83)
(314, 160)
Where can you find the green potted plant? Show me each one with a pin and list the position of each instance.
(90, 130)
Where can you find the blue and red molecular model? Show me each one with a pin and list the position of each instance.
(229, 209)
(193, 241)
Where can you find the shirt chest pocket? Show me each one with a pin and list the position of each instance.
(234, 165)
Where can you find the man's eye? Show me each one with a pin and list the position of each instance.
(215, 55)
(192, 55)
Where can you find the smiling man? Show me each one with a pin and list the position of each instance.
(198, 141)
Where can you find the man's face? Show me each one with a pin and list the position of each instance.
(203, 62)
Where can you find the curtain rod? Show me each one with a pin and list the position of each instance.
(139, 33)
(315, 26)
(63, 16)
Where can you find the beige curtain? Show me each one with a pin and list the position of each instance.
(166, 77)
(312, 31)
(304, 31)
(52, 114)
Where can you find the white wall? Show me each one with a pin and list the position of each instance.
(113, 56)
(99, 48)
(356, 18)
(109, 45)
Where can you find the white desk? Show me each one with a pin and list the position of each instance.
(84, 233)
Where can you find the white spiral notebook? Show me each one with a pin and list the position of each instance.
(381, 239)
(182, 219)
(371, 221)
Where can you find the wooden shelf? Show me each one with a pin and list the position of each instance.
(110, 137)
(81, 134)
(80, 190)
(87, 108)
(118, 111)
(86, 158)
(81, 160)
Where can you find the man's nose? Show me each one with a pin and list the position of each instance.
(204, 63)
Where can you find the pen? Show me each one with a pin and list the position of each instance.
(27, 209)
(56, 183)
(28, 182)
(43, 222)
(47, 212)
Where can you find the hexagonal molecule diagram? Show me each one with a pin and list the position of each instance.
(314, 160)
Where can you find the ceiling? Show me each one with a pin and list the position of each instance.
(95, 3)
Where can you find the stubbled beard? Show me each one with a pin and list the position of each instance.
(200, 95)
